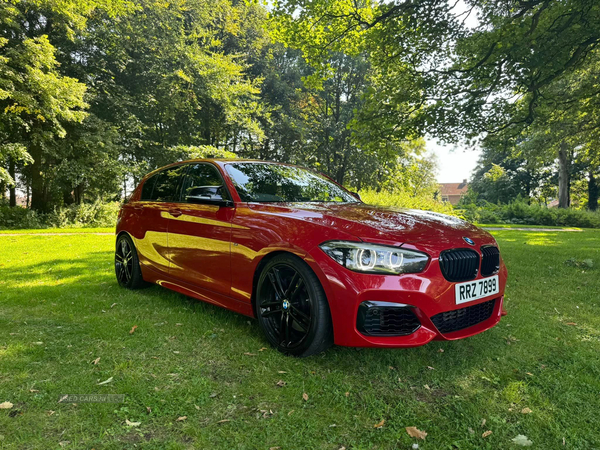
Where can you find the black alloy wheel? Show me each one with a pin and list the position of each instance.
(127, 265)
(291, 307)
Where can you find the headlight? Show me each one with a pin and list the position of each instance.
(373, 258)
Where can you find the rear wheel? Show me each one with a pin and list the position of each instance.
(292, 309)
(127, 264)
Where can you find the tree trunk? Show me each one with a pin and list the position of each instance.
(564, 177)
(12, 190)
(592, 191)
(38, 187)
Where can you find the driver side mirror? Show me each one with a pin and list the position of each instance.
(207, 195)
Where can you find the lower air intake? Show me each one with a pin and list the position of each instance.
(459, 319)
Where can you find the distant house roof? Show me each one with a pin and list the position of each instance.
(454, 188)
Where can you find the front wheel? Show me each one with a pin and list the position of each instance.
(292, 309)
(127, 264)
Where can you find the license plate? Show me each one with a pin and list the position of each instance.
(474, 290)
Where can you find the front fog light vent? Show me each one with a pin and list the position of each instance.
(386, 319)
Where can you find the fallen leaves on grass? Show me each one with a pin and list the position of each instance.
(63, 398)
(96, 361)
(526, 411)
(571, 323)
(6, 405)
(379, 424)
(132, 424)
(486, 433)
(148, 410)
(181, 419)
(262, 349)
(416, 433)
(274, 448)
(33, 390)
(105, 381)
(50, 412)
(523, 441)
(133, 328)
(281, 371)
(483, 421)
(305, 397)
(441, 350)
(64, 443)
(250, 354)
(431, 368)
(347, 394)
(224, 420)
(281, 383)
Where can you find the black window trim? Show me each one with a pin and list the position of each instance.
(204, 163)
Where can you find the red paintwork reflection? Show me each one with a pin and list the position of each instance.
(212, 253)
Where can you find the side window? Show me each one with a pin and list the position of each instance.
(166, 188)
(203, 181)
(148, 187)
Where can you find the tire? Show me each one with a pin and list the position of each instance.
(127, 264)
(291, 307)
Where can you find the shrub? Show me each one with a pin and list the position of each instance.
(17, 217)
(519, 212)
(95, 214)
(404, 200)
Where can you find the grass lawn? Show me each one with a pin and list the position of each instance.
(61, 309)
(60, 231)
(533, 227)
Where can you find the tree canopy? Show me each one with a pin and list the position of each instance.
(96, 93)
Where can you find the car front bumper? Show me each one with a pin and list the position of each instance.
(427, 294)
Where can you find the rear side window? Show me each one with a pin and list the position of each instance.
(166, 187)
(148, 187)
(203, 181)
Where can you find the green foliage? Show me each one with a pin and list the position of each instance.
(519, 212)
(93, 215)
(401, 199)
(19, 218)
(183, 152)
(87, 215)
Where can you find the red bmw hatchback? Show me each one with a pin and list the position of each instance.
(307, 258)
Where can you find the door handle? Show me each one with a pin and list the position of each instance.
(175, 212)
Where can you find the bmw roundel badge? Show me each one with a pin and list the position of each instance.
(469, 240)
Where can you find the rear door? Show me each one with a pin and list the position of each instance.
(200, 234)
(160, 194)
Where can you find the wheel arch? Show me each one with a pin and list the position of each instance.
(265, 260)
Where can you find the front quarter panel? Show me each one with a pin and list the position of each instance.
(261, 230)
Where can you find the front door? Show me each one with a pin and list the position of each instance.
(200, 234)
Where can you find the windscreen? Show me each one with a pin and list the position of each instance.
(267, 182)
